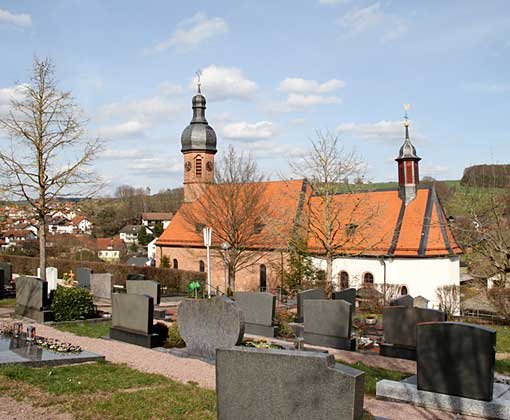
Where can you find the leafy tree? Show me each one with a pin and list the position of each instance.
(143, 237)
(158, 229)
(165, 262)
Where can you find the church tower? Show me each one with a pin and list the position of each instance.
(408, 174)
(198, 145)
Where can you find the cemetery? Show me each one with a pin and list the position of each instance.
(449, 367)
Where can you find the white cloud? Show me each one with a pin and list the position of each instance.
(332, 2)
(383, 131)
(295, 101)
(170, 89)
(191, 32)
(372, 18)
(156, 167)
(246, 131)
(148, 109)
(268, 149)
(221, 83)
(129, 154)
(126, 130)
(22, 19)
(298, 85)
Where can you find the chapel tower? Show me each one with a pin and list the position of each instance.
(198, 145)
(408, 174)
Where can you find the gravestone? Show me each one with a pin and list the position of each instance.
(406, 300)
(51, 277)
(32, 299)
(83, 277)
(101, 285)
(135, 277)
(7, 267)
(208, 324)
(399, 323)
(144, 287)
(132, 320)
(318, 293)
(3, 283)
(456, 359)
(259, 312)
(328, 323)
(349, 295)
(267, 384)
(421, 302)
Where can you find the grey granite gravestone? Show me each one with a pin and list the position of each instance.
(101, 285)
(83, 277)
(2, 283)
(32, 299)
(258, 311)
(132, 320)
(328, 323)
(421, 302)
(318, 293)
(406, 300)
(208, 324)
(135, 277)
(266, 384)
(349, 295)
(399, 324)
(144, 287)
(456, 359)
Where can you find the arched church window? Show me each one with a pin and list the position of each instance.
(403, 290)
(263, 278)
(368, 279)
(176, 263)
(343, 277)
(201, 266)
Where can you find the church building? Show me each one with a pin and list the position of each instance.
(394, 237)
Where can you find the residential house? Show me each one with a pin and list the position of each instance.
(129, 234)
(110, 249)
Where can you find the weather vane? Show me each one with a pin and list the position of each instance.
(198, 73)
(407, 107)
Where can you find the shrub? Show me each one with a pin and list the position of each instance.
(72, 303)
(174, 337)
(284, 329)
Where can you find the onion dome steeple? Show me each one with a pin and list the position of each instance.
(198, 135)
(408, 174)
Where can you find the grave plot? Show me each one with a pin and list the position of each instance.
(455, 372)
(259, 312)
(132, 320)
(282, 384)
(400, 329)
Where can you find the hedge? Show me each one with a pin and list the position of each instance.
(175, 281)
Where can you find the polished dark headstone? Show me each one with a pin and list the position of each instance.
(83, 277)
(456, 359)
(2, 282)
(259, 311)
(7, 267)
(32, 299)
(400, 329)
(136, 277)
(406, 300)
(328, 323)
(349, 295)
(318, 293)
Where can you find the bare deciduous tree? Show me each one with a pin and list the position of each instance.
(237, 210)
(448, 297)
(334, 226)
(48, 157)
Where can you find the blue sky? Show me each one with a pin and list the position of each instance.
(273, 73)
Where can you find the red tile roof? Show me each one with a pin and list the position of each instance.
(157, 216)
(381, 224)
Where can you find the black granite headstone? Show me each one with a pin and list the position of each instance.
(456, 359)
(349, 295)
(406, 300)
(136, 276)
(2, 282)
(400, 329)
(7, 267)
(317, 293)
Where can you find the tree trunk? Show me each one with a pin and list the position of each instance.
(329, 275)
(231, 277)
(42, 248)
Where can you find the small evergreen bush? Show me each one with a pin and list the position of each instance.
(72, 303)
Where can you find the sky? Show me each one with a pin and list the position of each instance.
(273, 73)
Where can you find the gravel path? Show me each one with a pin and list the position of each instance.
(140, 358)
(10, 409)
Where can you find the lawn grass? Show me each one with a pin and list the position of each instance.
(373, 375)
(107, 391)
(85, 328)
(503, 366)
(8, 302)
(502, 338)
